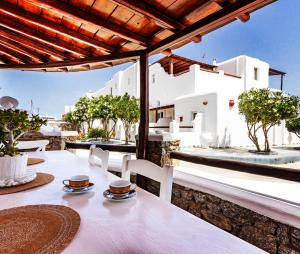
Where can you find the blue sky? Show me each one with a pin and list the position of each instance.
(272, 35)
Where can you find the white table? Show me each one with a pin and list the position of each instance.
(143, 225)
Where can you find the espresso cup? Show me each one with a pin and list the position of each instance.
(78, 181)
(120, 187)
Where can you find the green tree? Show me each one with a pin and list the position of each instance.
(13, 124)
(264, 109)
(82, 113)
(293, 125)
(104, 109)
(129, 112)
(72, 122)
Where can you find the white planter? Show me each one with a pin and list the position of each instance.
(12, 169)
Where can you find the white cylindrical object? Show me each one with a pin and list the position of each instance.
(174, 127)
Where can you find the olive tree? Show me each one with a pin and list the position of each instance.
(104, 109)
(82, 113)
(263, 109)
(71, 121)
(293, 125)
(129, 113)
(13, 124)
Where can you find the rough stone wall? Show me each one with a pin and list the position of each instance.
(55, 142)
(261, 231)
(159, 151)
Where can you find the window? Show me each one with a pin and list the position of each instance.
(256, 73)
(194, 115)
(111, 91)
(160, 115)
(153, 78)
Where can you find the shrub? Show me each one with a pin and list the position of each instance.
(293, 125)
(96, 133)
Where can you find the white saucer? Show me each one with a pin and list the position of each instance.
(28, 177)
(82, 190)
(119, 198)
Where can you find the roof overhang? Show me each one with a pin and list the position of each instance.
(274, 72)
(53, 35)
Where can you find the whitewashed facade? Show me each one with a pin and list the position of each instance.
(200, 100)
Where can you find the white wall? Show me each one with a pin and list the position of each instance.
(128, 82)
(185, 105)
(166, 88)
(122, 82)
(243, 66)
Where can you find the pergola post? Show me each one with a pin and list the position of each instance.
(144, 106)
(281, 82)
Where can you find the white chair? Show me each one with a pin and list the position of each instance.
(115, 162)
(148, 169)
(39, 145)
(98, 157)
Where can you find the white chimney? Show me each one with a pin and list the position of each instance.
(214, 62)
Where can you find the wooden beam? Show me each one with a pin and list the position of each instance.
(5, 60)
(144, 106)
(142, 8)
(199, 6)
(21, 49)
(42, 37)
(88, 18)
(21, 58)
(197, 39)
(251, 168)
(167, 52)
(77, 62)
(244, 17)
(31, 43)
(52, 26)
(11, 58)
(108, 147)
(171, 71)
(209, 23)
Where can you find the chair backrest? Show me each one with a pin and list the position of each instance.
(98, 157)
(146, 168)
(39, 145)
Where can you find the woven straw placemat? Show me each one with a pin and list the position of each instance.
(41, 179)
(37, 229)
(33, 161)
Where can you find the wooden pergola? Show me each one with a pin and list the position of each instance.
(81, 35)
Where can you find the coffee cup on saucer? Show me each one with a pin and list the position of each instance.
(120, 187)
(78, 181)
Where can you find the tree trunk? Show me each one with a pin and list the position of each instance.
(267, 144)
(252, 136)
(106, 132)
(127, 128)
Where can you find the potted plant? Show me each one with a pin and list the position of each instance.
(13, 124)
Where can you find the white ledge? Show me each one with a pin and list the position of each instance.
(284, 211)
(60, 133)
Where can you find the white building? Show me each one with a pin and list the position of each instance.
(201, 97)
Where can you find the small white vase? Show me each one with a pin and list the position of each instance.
(12, 168)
